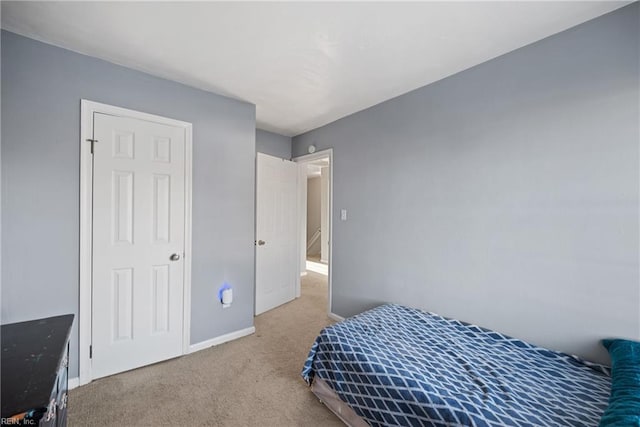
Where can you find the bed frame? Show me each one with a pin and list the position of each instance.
(330, 399)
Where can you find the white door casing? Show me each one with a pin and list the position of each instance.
(276, 232)
(324, 214)
(138, 296)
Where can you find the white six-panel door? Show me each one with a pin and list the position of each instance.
(138, 243)
(276, 232)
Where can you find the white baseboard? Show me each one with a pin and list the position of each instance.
(335, 317)
(304, 273)
(221, 339)
(73, 383)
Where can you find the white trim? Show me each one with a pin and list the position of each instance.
(302, 226)
(86, 196)
(306, 159)
(73, 383)
(221, 339)
(335, 317)
(188, 197)
(87, 110)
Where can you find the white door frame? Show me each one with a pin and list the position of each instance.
(302, 197)
(87, 110)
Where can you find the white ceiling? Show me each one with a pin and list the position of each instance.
(314, 169)
(302, 64)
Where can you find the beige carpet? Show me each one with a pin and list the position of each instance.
(253, 381)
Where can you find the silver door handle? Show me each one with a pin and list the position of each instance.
(174, 257)
(261, 242)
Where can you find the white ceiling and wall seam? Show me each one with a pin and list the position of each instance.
(302, 64)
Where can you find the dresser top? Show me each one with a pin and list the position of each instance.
(31, 356)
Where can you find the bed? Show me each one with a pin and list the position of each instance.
(395, 365)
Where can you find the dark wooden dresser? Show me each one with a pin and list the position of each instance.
(35, 372)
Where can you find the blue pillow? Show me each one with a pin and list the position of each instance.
(624, 402)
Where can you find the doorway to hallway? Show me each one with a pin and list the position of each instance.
(315, 219)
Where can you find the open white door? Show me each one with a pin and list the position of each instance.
(138, 243)
(276, 232)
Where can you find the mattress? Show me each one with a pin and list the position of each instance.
(395, 365)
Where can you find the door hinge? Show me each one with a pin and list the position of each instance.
(93, 143)
(90, 352)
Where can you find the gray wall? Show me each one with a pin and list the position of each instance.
(41, 90)
(273, 144)
(505, 195)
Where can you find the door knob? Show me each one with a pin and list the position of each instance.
(174, 257)
(261, 242)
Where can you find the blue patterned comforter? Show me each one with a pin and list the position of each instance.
(400, 366)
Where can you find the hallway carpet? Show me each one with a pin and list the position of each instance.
(252, 381)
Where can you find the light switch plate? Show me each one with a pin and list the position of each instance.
(343, 214)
